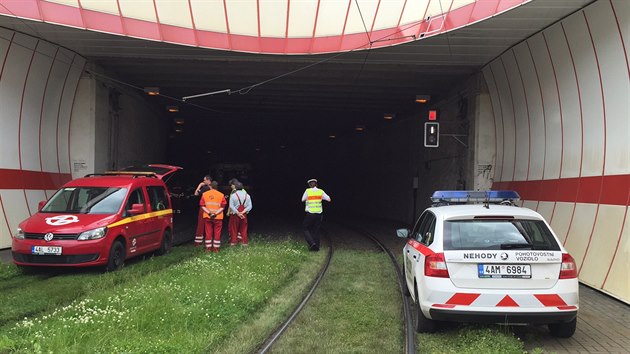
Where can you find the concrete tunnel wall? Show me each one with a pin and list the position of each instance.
(58, 123)
(562, 135)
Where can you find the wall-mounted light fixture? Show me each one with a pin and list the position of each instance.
(389, 116)
(179, 130)
(359, 128)
(179, 121)
(332, 136)
(152, 90)
(172, 109)
(423, 98)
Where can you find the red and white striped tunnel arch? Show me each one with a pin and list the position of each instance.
(562, 135)
(263, 26)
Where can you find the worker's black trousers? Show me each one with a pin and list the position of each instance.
(311, 225)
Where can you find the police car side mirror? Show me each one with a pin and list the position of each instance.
(41, 204)
(136, 209)
(402, 233)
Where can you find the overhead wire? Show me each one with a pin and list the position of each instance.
(245, 90)
(367, 52)
(162, 95)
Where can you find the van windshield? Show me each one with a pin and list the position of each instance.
(86, 200)
(498, 234)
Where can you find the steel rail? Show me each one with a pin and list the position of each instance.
(270, 341)
(410, 334)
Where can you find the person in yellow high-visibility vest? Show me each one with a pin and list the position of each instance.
(312, 198)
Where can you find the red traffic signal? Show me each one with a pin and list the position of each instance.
(432, 114)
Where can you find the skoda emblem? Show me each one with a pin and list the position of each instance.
(48, 237)
(504, 256)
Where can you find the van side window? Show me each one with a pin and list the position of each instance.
(157, 198)
(416, 233)
(428, 230)
(136, 197)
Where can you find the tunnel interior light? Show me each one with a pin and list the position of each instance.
(423, 98)
(172, 109)
(332, 136)
(152, 90)
(389, 116)
(179, 130)
(179, 121)
(360, 128)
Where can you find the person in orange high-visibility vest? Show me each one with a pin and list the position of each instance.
(213, 202)
(312, 198)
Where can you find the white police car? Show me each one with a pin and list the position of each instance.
(476, 257)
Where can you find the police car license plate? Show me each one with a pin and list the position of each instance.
(41, 250)
(504, 271)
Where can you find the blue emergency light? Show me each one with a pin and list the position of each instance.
(472, 197)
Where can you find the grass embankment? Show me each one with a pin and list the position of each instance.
(356, 309)
(470, 339)
(197, 304)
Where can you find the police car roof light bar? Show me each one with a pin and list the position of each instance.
(472, 197)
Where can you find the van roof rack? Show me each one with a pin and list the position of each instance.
(135, 174)
(506, 197)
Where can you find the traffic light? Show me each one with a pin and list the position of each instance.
(431, 134)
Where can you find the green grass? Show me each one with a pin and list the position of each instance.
(40, 289)
(192, 306)
(356, 309)
(470, 339)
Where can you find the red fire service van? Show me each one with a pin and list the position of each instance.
(99, 220)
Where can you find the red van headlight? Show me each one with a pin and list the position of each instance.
(19, 234)
(93, 234)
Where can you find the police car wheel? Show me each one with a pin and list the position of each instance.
(116, 257)
(165, 245)
(405, 287)
(563, 330)
(423, 324)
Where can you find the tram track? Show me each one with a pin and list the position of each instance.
(410, 340)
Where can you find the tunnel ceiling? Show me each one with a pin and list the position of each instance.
(339, 92)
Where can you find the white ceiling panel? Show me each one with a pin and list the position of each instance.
(174, 12)
(138, 9)
(106, 6)
(242, 17)
(273, 18)
(209, 15)
(302, 18)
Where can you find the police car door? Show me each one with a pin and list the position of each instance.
(412, 251)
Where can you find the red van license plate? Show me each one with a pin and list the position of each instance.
(41, 250)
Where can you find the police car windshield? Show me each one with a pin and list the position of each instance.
(484, 234)
(86, 200)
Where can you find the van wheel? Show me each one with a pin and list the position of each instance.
(116, 257)
(563, 330)
(423, 324)
(166, 244)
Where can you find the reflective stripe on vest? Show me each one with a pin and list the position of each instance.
(213, 200)
(314, 200)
